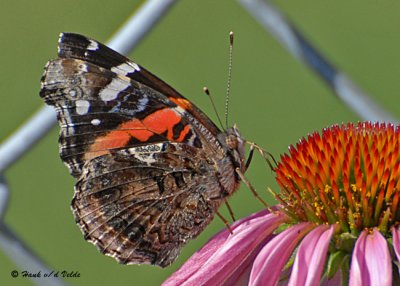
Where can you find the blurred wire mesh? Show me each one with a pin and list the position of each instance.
(137, 27)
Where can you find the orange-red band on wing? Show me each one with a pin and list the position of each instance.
(162, 120)
(182, 102)
(159, 122)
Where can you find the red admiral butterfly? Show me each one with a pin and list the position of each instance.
(151, 168)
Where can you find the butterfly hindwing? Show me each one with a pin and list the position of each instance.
(141, 205)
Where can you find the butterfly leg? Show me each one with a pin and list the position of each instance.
(266, 155)
(229, 210)
(251, 188)
(225, 222)
(248, 161)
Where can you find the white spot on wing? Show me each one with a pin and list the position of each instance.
(125, 68)
(83, 67)
(145, 158)
(82, 107)
(191, 139)
(180, 110)
(146, 154)
(93, 46)
(95, 122)
(68, 125)
(72, 93)
(142, 103)
(111, 91)
(60, 39)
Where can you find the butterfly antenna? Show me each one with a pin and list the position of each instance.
(228, 85)
(207, 92)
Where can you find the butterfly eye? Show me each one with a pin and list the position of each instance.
(232, 141)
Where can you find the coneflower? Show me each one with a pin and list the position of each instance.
(336, 222)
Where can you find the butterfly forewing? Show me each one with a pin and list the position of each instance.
(92, 103)
(80, 47)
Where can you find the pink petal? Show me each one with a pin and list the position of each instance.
(371, 261)
(311, 256)
(201, 256)
(396, 242)
(241, 278)
(193, 264)
(224, 254)
(269, 263)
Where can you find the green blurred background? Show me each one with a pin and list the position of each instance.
(275, 100)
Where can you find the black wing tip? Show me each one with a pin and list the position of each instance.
(66, 37)
(71, 45)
